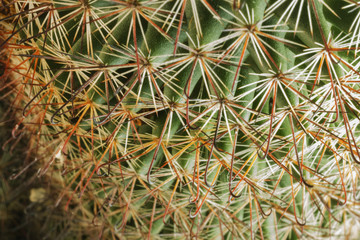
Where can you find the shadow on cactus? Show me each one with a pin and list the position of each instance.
(193, 119)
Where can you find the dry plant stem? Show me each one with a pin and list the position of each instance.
(181, 118)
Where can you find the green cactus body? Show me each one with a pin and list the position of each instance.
(182, 119)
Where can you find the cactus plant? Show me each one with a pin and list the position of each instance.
(180, 119)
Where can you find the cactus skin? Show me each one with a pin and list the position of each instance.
(183, 119)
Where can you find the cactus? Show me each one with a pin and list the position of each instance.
(181, 119)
